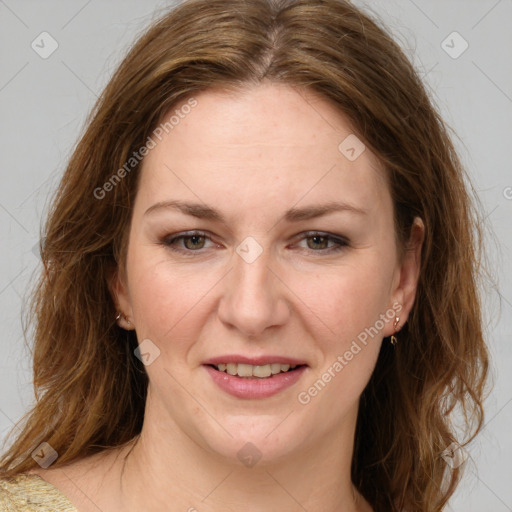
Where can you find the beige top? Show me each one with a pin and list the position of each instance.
(30, 493)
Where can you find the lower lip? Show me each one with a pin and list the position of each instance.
(254, 387)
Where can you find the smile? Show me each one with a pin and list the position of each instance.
(260, 371)
(254, 381)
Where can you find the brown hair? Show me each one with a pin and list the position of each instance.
(90, 388)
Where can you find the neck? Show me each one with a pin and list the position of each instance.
(165, 469)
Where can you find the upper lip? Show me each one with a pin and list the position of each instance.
(255, 361)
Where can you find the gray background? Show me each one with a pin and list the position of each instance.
(44, 103)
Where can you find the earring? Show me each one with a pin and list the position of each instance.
(119, 316)
(394, 341)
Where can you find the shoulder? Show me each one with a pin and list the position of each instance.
(30, 493)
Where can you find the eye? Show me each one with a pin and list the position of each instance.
(187, 242)
(323, 242)
(195, 241)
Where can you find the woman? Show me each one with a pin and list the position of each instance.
(260, 279)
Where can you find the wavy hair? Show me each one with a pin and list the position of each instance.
(90, 389)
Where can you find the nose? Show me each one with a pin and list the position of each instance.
(253, 298)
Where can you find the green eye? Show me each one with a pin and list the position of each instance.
(193, 242)
(318, 242)
(324, 242)
(187, 242)
(315, 242)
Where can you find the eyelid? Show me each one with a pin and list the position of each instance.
(170, 239)
(340, 241)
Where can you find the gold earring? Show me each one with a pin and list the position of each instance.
(394, 341)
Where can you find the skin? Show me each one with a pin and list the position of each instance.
(252, 155)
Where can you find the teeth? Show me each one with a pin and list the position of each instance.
(248, 370)
(244, 370)
(275, 368)
(232, 368)
(261, 371)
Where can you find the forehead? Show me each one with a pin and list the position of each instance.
(265, 144)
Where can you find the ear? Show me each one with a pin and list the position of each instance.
(121, 298)
(405, 281)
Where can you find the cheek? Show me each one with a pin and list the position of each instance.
(351, 303)
(349, 300)
(167, 300)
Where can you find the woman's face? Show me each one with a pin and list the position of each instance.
(290, 260)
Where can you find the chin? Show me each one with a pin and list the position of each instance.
(261, 441)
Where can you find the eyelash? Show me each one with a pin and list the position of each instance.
(341, 243)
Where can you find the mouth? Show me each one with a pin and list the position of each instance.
(254, 378)
(249, 371)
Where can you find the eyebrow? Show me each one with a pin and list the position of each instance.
(203, 211)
